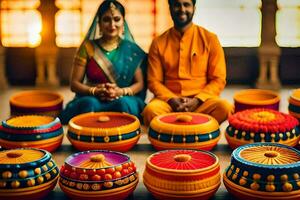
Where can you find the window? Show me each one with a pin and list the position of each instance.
(236, 22)
(72, 20)
(288, 23)
(21, 23)
(74, 17)
(140, 18)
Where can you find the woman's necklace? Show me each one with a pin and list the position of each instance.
(109, 45)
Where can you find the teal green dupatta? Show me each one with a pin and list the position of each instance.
(120, 65)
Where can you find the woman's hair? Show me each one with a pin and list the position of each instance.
(170, 2)
(106, 5)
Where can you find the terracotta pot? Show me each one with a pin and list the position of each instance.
(43, 132)
(294, 104)
(182, 174)
(262, 125)
(40, 102)
(256, 98)
(98, 175)
(184, 130)
(264, 171)
(26, 174)
(104, 130)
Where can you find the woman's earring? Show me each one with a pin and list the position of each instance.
(122, 32)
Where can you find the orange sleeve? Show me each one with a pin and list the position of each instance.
(216, 71)
(156, 75)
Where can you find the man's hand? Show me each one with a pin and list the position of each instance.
(184, 104)
(191, 104)
(175, 104)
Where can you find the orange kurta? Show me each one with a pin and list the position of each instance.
(190, 65)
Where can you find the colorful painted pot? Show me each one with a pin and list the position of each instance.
(262, 125)
(26, 174)
(98, 175)
(264, 171)
(43, 132)
(104, 130)
(184, 130)
(182, 174)
(36, 102)
(256, 98)
(294, 104)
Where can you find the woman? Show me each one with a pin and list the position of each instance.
(108, 72)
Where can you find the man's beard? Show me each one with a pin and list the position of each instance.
(181, 24)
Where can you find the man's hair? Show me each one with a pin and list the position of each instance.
(170, 2)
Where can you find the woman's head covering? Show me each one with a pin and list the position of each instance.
(94, 30)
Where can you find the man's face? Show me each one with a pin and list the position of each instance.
(182, 12)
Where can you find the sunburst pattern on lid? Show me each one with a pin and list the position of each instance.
(270, 155)
(29, 121)
(182, 159)
(95, 161)
(20, 156)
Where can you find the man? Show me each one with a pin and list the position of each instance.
(186, 68)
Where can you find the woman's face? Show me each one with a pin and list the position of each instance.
(112, 23)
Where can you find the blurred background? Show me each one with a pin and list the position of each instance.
(261, 38)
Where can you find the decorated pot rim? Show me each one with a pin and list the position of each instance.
(59, 98)
(184, 172)
(20, 191)
(30, 137)
(239, 97)
(68, 159)
(237, 151)
(100, 181)
(89, 193)
(55, 120)
(255, 193)
(294, 93)
(32, 164)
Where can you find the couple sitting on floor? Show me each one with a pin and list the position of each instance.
(185, 68)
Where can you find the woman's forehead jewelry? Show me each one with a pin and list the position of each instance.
(112, 7)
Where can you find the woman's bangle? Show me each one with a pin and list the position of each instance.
(127, 91)
(92, 91)
(130, 92)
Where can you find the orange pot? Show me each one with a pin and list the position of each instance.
(184, 130)
(256, 98)
(104, 130)
(264, 171)
(182, 174)
(40, 102)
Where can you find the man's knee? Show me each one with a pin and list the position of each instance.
(225, 106)
(223, 110)
(154, 108)
(149, 108)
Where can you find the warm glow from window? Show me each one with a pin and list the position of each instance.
(288, 23)
(25, 31)
(75, 17)
(141, 21)
(68, 4)
(67, 28)
(73, 20)
(236, 22)
(19, 4)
